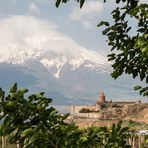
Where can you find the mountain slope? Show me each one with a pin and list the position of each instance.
(41, 58)
(41, 42)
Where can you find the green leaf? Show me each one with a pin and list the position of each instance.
(81, 3)
(12, 139)
(142, 75)
(103, 23)
(65, 116)
(144, 90)
(2, 93)
(23, 91)
(54, 112)
(13, 89)
(26, 132)
(128, 29)
(104, 32)
(117, 1)
(11, 104)
(137, 87)
(135, 73)
(123, 130)
(83, 139)
(58, 3)
(33, 138)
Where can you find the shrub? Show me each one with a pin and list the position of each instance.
(33, 124)
(85, 110)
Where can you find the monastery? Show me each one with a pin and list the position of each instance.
(99, 105)
(103, 106)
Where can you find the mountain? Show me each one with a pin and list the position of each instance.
(54, 61)
(74, 86)
(41, 58)
(41, 42)
(62, 74)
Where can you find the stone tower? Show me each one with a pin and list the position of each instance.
(101, 101)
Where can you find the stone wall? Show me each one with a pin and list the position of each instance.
(108, 113)
(132, 109)
(88, 115)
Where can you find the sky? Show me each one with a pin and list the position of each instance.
(79, 25)
(37, 24)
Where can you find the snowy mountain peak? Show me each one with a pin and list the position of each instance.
(21, 42)
(86, 58)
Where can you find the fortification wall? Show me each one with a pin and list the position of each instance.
(109, 113)
(87, 115)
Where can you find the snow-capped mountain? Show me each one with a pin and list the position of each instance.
(39, 57)
(44, 44)
(54, 61)
(85, 58)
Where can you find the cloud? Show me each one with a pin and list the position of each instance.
(88, 13)
(33, 8)
(25, 38)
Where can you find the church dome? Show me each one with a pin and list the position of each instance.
(101, 99)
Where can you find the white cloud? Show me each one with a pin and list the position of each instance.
(33, 8)
(87, 24)
(25, 38)
(88, 13)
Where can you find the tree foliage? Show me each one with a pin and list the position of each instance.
(86, 110)
(130, 52)
(32, 123)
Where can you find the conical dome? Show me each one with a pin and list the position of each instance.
(102, 94)
(101, 99)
